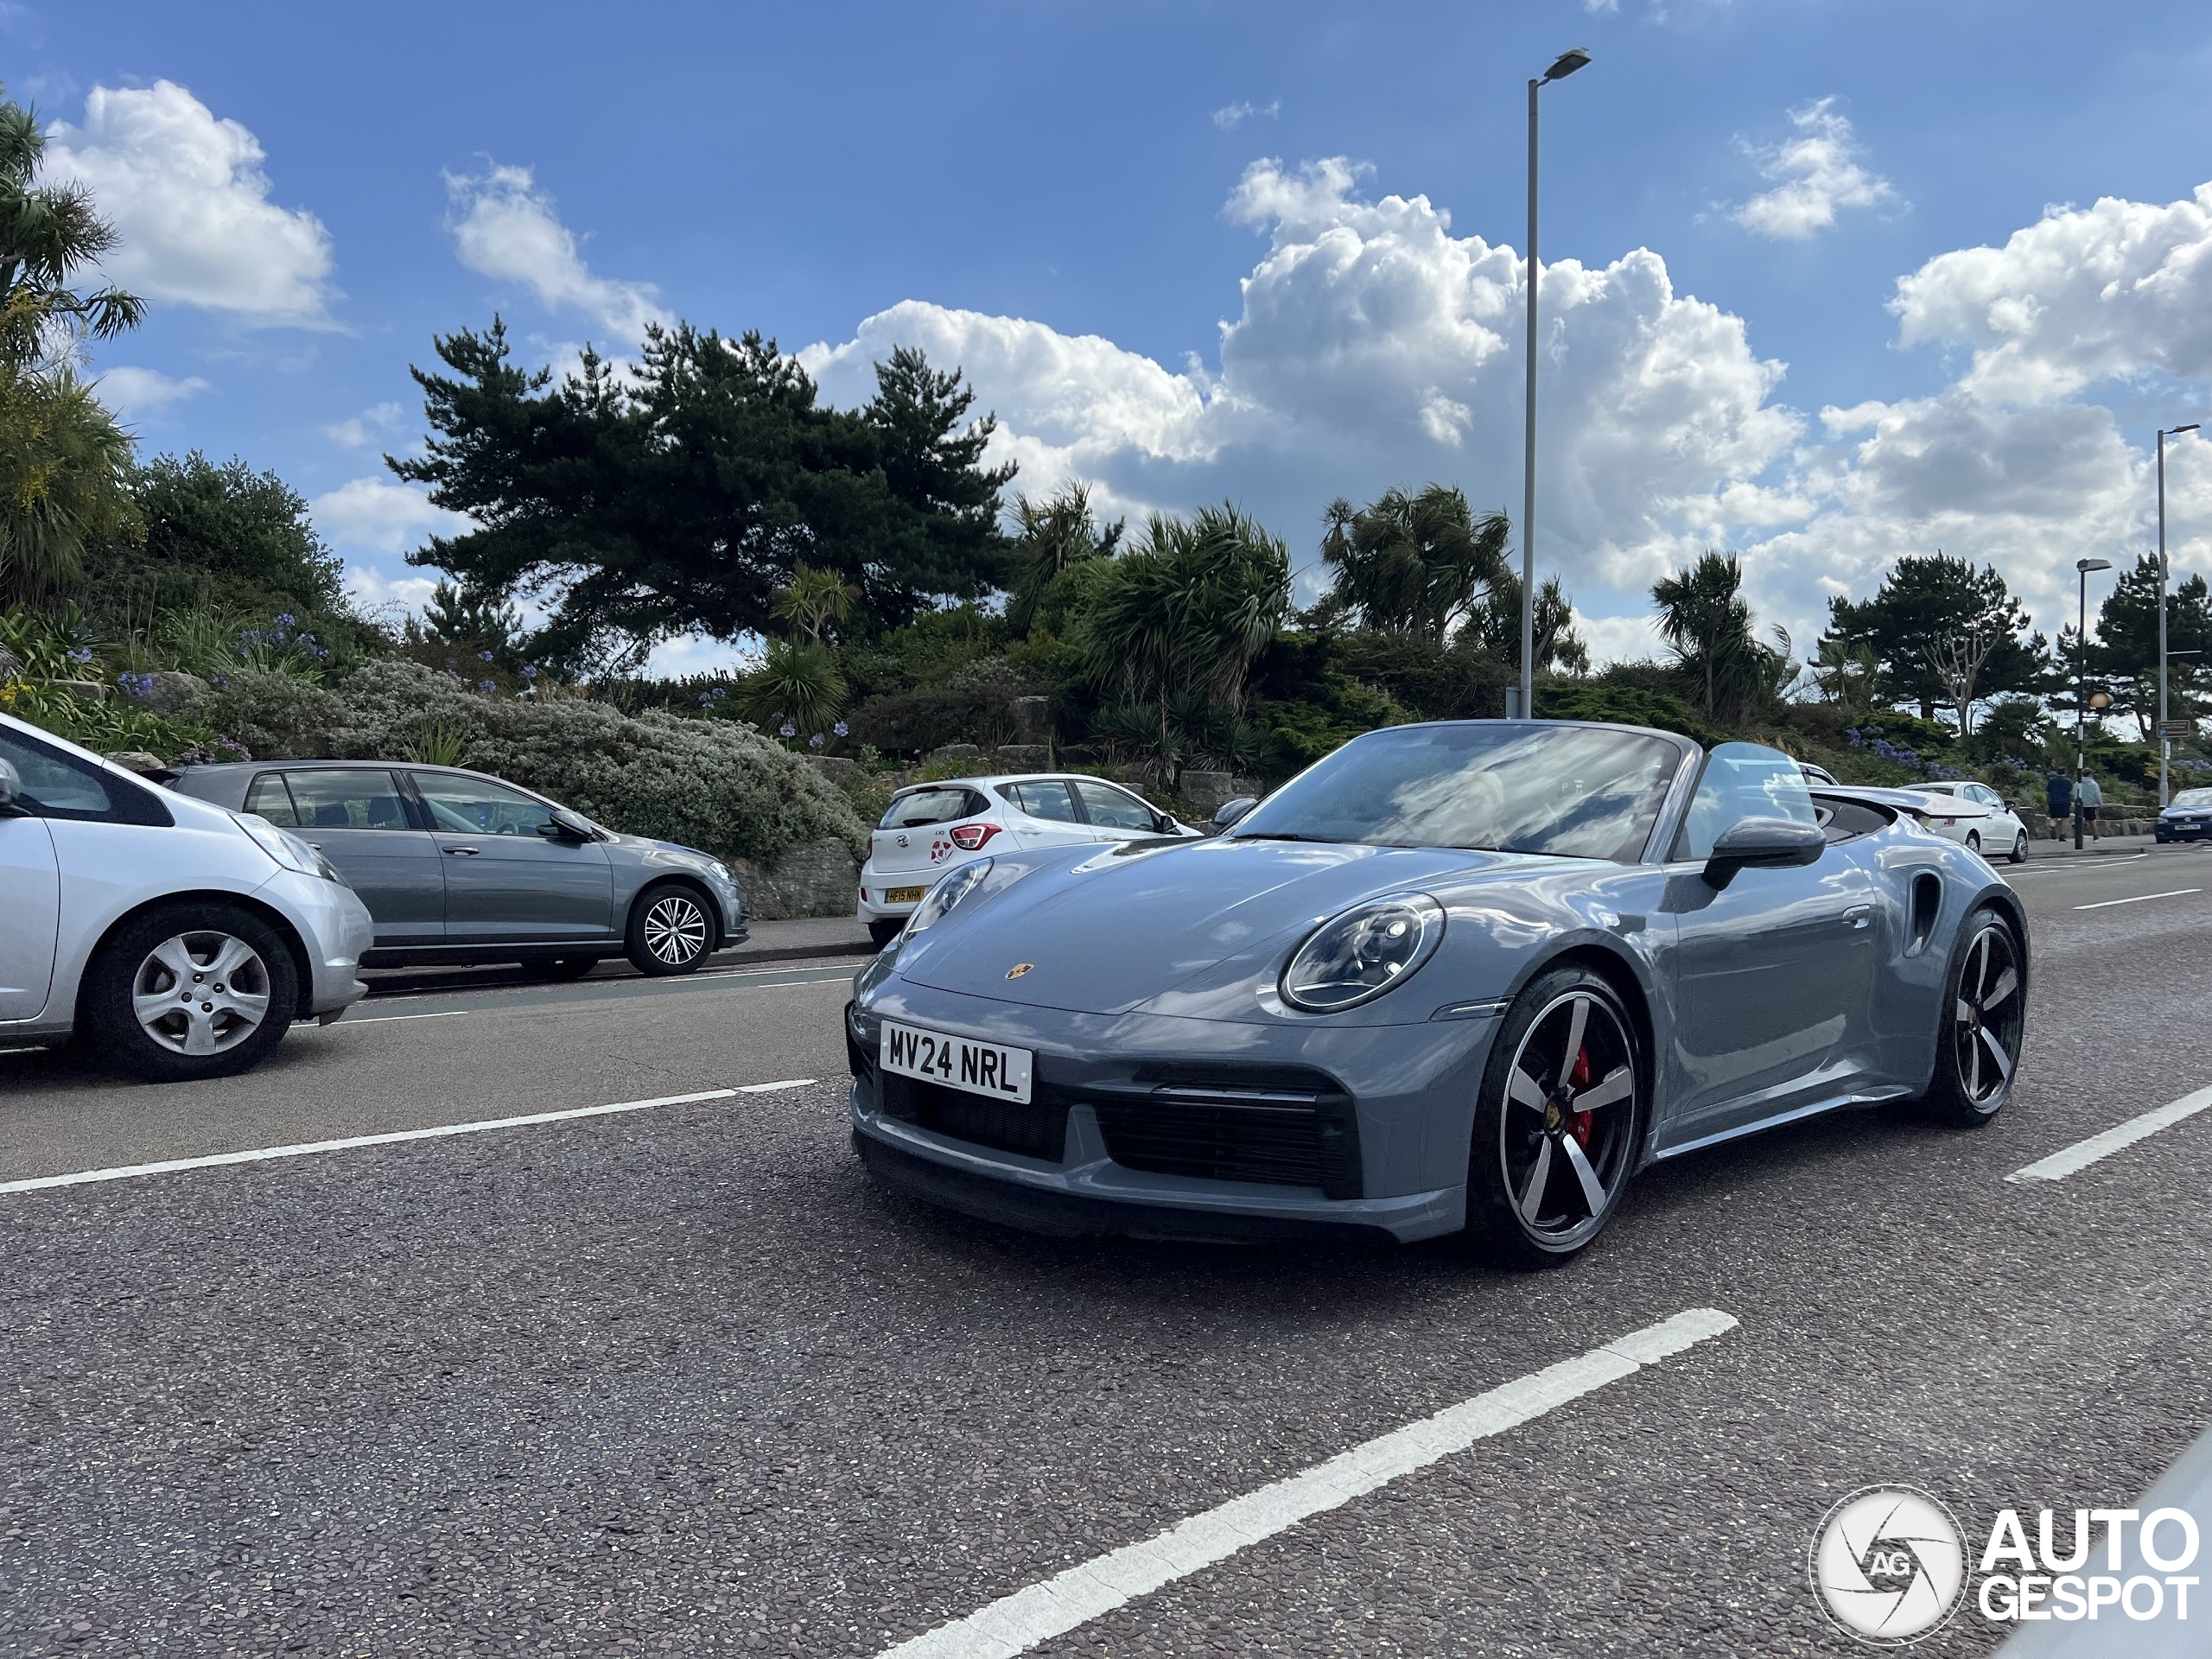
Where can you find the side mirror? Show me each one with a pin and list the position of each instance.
(11, 785)
(1231, 811)
(566, 826)
(1763, 843)
(1164, 824)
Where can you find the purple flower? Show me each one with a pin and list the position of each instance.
(814, 742)
(530, 671)
(842, 729)
(134, 685)
(82, 654)
(451, 662)
(487, 686)
(787, 729)
(288, 620)
(706, 699)
(483, 656)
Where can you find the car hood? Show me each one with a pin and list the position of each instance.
(1165, 927)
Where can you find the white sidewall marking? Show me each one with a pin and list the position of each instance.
(1014, 1623)
(2082, 1154)
(171, 1165)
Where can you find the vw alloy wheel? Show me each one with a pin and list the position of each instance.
(675, 929)
(201, 992)
(1567, 1133)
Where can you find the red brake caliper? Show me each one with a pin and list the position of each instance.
(1578, 1123)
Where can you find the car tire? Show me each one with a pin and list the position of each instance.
(670, 931)
(555, 969)
(886, 930)
(1980, 1024)
(250, 991)
(1973, 841)
(1545, 1174)
(2020, 849)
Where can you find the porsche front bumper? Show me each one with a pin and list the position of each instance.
(1160, 1126)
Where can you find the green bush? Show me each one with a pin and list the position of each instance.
(1622, 705)
(715, 784)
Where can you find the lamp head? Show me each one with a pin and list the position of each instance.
(2087, 565)
(2100, 701)
(2175, 431)
(1569, 61)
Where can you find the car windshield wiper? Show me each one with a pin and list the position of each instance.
(1282, 834)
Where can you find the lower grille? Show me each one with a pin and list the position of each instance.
(1278, 1132)
(1037, 1130)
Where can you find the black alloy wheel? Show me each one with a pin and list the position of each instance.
(1556, 1124)
(670, 931)
(1983, 1018)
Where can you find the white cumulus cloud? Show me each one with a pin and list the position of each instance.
(506, 227)
(371, 425)
(1815, 174)
(2082, 294)
(144, 394)
(381, 516)
(186, 194)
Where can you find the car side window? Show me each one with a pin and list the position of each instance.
(476, 806)
(343, 800)
(1114, 808)
(1046, 798)
(928, 806)
(57, 784)
(1740, 781)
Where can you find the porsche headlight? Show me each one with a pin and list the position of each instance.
(1355, 957)
(946, 894)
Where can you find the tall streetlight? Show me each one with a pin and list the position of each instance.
(1566, 64)
(2081, 691)
(2165, 743)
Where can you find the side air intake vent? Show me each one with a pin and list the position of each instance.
(1926, 904)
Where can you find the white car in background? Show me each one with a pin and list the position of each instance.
(177, 939)
(932, 827)
(1978, 815)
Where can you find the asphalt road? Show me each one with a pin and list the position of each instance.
(678, 1379)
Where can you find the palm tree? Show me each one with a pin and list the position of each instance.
(46, 235)
(1177, 625)
(1706, 622)
(1051, 537)
(1413, 563)
(814, 600)
(64, 481)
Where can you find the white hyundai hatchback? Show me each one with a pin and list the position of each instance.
(178, 939)
(1978, 815)
(933, 828)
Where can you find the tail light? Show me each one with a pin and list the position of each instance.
(969, 837)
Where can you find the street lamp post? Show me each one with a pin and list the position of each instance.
(1566, 64)
(2083, 567)
(2165, 743)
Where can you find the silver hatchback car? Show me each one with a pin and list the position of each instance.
(456, 866)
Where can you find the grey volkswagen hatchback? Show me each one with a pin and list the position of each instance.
(456, 866)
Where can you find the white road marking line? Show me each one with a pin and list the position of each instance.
(1014, 1623)
(2082, 1154)
(2107, 904)
(393, 1018)
(169, 1166)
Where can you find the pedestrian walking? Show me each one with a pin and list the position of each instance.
(2092, 797)
(2058, 795)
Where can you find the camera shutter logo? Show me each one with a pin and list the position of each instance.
(1889, 1565)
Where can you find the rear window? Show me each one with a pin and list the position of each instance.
(926, 806)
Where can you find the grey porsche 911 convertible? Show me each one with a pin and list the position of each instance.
(1470, 974)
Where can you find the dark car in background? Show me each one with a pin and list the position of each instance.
(456, 866)
(2188, 816)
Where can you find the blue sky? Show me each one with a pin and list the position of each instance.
(1073, 200)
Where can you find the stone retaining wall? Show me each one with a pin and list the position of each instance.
(818, 879)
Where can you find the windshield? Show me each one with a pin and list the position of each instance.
(1574, 792)
(2194, 798)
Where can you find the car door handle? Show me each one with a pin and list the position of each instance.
(464, 852)
(1860, 915)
